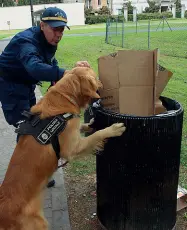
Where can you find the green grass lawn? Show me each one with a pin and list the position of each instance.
(169, 43)
(143, 24)
(7, 33)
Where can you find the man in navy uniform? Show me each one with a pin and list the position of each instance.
(28, 59)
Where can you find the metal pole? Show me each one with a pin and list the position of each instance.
(123, 32)
(107, 24)
(116, 26)
(32, 15)
(149, 25)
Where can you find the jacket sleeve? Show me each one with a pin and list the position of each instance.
(34, 65)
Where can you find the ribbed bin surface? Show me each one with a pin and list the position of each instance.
(137, 173)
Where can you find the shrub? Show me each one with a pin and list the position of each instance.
(104, 10)
(93, 19)
(88, 11)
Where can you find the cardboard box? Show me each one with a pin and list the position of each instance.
(132, 82)
(162, 80)
(110, 99)
(128, 79)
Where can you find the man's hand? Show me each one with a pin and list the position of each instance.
(82, 64)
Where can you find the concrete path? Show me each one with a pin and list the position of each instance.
(55, 206)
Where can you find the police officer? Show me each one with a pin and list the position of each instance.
(28, 59)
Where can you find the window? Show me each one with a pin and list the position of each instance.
(119, 11)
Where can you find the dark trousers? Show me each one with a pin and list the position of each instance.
(15, 98)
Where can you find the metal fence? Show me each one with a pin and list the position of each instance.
(168, 35)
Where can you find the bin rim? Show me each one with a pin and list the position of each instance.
(157, 116)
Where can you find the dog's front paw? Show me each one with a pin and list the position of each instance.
(117, 129)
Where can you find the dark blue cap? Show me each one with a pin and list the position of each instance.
(55, 17)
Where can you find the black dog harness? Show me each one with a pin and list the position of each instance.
(45, 131)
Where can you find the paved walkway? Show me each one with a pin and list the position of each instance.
(55, 206)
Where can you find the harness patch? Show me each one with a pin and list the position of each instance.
(51, 129)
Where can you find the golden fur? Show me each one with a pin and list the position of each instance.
(31, 165)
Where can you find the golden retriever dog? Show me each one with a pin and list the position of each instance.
(32, 164)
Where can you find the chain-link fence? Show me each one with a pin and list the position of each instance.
(169, 36)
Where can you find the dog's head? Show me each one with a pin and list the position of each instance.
(78, 86)
(89, 84)
(81, 84)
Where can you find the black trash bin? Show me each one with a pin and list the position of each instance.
(137, 173)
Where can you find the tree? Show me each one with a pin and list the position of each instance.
(153, 7)
(27, 2)
(129, 7)
(178, 5)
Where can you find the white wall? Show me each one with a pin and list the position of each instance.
(117, 5)
(141, 4)
(184, 2)
(20, 16)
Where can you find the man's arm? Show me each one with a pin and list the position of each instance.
(34, 65)
(55, 62)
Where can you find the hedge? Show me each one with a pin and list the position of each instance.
(93, 19)
(147, 16)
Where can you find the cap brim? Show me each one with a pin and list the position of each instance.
(55, 24)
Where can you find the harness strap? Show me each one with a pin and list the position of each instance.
(55, 141)
(56, 146)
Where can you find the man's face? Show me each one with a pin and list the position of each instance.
(52, 35)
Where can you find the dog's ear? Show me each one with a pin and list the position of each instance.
(68, 84)
(89, 86)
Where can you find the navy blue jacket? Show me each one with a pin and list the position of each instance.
(29, 58)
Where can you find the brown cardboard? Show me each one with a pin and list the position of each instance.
(133, 73)
(110, 99)
(138, 101)
(136, 68)
(159, 108)
(162, 80)
(108, 72)
(139, 80)
(113, 99)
